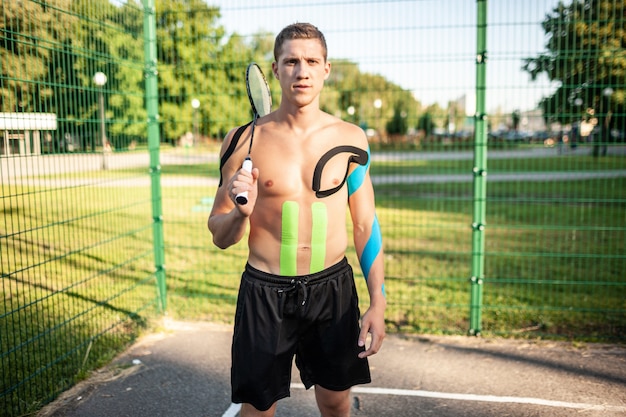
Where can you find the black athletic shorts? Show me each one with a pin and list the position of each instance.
(314, 317)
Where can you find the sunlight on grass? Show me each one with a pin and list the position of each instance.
(78, 265)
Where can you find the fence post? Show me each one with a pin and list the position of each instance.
(152, 107)
(480, 173)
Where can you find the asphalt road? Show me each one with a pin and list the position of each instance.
(12, 168)
(184, 371)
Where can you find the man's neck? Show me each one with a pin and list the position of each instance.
(302, 119)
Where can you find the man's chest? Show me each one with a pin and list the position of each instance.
(296, 170)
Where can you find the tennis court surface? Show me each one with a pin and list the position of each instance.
(184, 371)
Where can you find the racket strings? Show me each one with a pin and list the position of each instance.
(259, 95)
(258, 90)
(263, 102)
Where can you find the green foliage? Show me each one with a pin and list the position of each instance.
(24, 27)
(426, 123)
(586, 54)
(49, 58)
(189, 57)
(347, 88)
(398, 124)
(516, 117)
(113, 44)
(197, 59)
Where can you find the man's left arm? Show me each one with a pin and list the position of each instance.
(369, 249)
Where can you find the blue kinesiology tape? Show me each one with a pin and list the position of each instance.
(371, 250)
(356, 178)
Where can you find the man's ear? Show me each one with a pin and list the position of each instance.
(275, 69)
(327, 70)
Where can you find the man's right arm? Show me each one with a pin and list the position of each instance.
(228, 221)
(227, 227)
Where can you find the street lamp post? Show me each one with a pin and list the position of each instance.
(351, 111)
(195, 104)
(100, 79)
(378, 104)
(605, 123)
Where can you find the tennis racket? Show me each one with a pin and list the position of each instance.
(261, 102)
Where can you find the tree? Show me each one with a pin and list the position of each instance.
(398, 124)
(516, 117)
(586, 55)
(109, 41)
(348, 88)
(50, 55)
(426, 124)
(25, 28)
(51, 50)
(189, 58)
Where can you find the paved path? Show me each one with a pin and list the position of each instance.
(36, 165)
(26, 170)
(184, 371)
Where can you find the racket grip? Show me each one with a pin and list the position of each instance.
(242, 198)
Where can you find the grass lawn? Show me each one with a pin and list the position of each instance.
(78, 271)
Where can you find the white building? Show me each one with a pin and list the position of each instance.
(24, 133)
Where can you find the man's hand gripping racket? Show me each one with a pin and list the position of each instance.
(261, 102)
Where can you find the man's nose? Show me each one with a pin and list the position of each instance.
(303, 71)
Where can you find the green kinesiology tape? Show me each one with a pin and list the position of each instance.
(289, 239)
(318, 237)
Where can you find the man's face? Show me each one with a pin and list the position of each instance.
(301, 70)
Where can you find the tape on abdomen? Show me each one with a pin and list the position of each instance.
(290, 238)
(318, 237)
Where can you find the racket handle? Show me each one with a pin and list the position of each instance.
(242, 198)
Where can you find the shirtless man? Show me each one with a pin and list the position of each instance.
(297, 294)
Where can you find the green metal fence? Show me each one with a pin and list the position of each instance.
(76, 235)
(499, 163)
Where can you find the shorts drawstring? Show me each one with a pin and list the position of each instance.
(297, 283)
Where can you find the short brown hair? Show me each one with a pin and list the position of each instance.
(299, 31)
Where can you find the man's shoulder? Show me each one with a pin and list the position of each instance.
(232, 137)
(348, 131)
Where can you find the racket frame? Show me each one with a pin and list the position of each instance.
(242, 198)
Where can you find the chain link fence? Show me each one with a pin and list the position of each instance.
(498, 158)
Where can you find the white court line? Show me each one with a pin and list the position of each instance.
(486, 398)
(232, 411)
